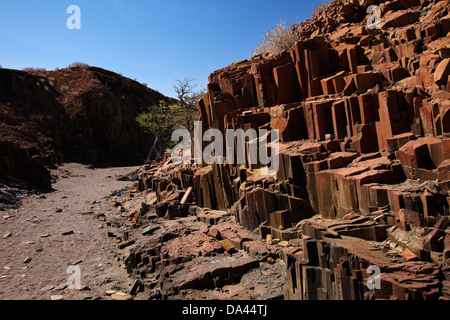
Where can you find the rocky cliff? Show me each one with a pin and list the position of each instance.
(364, 121)
(82, 114)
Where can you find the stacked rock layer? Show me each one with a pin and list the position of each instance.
(364, 124)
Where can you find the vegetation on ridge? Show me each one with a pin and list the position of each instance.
(277, 39)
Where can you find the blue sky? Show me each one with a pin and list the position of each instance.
(153, 41)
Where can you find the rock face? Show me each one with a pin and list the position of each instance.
(17, 163)
(364, 174)
(177, 257)
(75, 114)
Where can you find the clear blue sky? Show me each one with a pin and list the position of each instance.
(154, 41)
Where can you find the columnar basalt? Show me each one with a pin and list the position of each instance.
(364, 122)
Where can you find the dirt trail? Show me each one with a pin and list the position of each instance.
(57, 230)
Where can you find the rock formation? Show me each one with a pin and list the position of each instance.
(76, 114)
(364, 122)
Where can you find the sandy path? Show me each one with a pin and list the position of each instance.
(36, 231)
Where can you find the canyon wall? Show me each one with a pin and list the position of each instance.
(83, 114)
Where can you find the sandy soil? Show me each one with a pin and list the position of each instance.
(57, 230)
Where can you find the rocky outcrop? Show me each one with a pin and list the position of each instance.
(76, 114)
(103, 107)
(364, 180)
(18, 163)
(204, 255)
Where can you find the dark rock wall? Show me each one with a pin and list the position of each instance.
(75, 114)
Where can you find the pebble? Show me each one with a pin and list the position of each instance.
(392, 253)
(120, 296)
(61, 287)
(48, 288)
(27, 260)
(77, 262)
(57, 298)
(83, 288)
(87, 213)
(7, 235)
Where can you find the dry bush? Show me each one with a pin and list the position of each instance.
(321, 7)
(34, 69)
(1, 66)
(79, 65)
(277, 39)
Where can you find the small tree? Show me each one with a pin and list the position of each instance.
(160, 120)
(188, 97)
(277, 39)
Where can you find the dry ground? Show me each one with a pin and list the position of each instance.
(56, 230)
